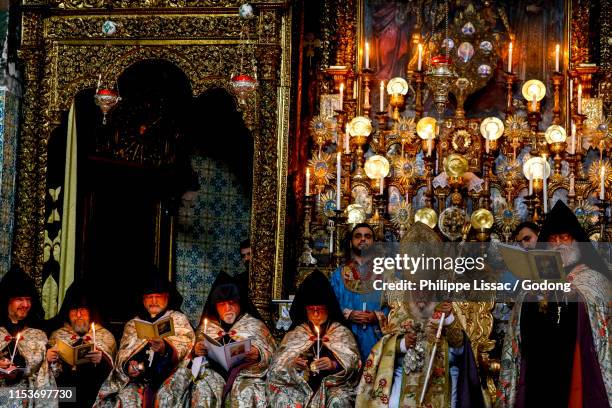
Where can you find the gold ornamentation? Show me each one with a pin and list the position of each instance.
(461, 140)
(360, 127)
(62, 54)
(321, 168)
(327, 203)
(507, 219)
(355, 214)
(402, 216)
(397, 86)
(405, 170)
(594, 174)
(482, 219)
(427, 216)
(319, 131)
(455, 165)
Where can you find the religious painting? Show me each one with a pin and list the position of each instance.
(328, 104)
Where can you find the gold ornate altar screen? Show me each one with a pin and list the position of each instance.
(65, 50)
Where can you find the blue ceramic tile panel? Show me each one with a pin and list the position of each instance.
(210, 228)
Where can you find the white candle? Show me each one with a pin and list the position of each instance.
(318, 341)
(363, 306)
(338, 176)
(382, 96)
(341, 96)
(545, 188)
(331, 242)
(510, 57)
(205, 325)
(602, 184)
(420, 60)
(530, 184)
(572, 186)
(579, 99)
(573, 144)
(367, 55)
(557, 58)
(571, 89)
(487, 142)
(346, 141)
(440, 325)
(382, 185)
(93, 331)
(534, 103)
(429, 145)
(307, 193)
(15, 349)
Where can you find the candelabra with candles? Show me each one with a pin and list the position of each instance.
(398, 157)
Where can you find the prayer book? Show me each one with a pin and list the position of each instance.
(227, 355)
(159, 329)
(74, 355)
(534, 264)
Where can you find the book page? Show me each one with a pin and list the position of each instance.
(216, 353)
(144, 329)
(235, 352)
(518, 262)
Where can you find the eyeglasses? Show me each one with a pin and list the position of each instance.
(316, 309)
(359, 235)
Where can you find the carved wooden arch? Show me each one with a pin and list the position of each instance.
(61, 57)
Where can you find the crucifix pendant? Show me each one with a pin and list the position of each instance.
(151, 354)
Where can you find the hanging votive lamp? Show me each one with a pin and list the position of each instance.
(243, 85)
(106, 99)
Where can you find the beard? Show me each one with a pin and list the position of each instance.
(570, 254)
(229, 317)
(80, 327)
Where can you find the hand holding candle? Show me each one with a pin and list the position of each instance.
(318, 342)
(93, 332)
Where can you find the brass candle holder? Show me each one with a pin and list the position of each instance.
(557, 78)
(418, 94)
(510, 79)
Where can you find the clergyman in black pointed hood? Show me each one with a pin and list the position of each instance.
(556, 352)
(226, 319)
(318, 360)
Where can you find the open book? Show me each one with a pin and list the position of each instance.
(227, 355)
(159, 329)
(535, 264)
(74, 355)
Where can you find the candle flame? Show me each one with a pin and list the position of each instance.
(18, 337)
(317, 330)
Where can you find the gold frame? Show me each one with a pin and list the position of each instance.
(63, 50)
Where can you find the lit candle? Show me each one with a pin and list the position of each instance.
(93, 331)
(205, 325)
(534, 103)
(572, 187)
(318, 341)
(338, 176)
(367, 55)
(307, 193)
(382, 185)
(487, 142)
(530, 183)
(15, 349)
(510, 57)
(573, 144)
(346, 141)
(579, 99)
(602, 184)
(557, 58)
(382, 96)
(420, 60)
(545, 185)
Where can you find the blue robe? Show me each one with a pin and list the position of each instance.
(353, 298)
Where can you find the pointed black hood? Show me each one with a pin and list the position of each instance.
(315, 290)
(156, 281)
(16, 283)
(225, 288)
(562, 220)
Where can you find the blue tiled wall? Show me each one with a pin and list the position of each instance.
(210, 228)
